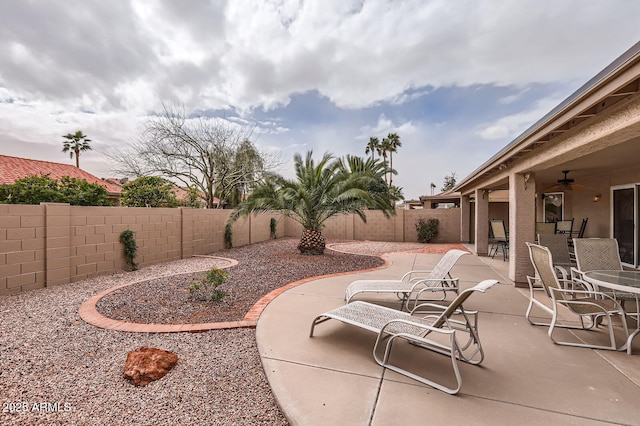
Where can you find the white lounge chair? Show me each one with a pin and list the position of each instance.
(391, 324)
(413, 283)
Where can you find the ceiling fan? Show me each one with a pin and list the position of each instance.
(567, 184)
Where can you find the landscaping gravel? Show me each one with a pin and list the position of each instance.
(262, 267)
(56, 369)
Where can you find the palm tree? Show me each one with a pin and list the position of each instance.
(372, 147)
(392, 145)
(383, 150)
(75, 143)
(320, 191)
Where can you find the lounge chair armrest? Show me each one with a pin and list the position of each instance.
(436, 309)
(424, 283)
(426, 329)
(588, 293)
(408, 275)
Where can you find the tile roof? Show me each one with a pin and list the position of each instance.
(14, 168)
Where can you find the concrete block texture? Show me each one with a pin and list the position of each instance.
(59, 244)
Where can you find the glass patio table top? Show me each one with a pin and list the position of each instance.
(624, 281)
(627, 281)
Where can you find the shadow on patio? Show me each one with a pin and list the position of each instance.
(524, 379)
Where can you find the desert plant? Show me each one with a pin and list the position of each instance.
(228, 236)
(273, 226)
(207, 288)
(320, 191)
(128, 240)
(427, 229)
(149, 191)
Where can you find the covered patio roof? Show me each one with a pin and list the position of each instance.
(594, 134)
(592, 102)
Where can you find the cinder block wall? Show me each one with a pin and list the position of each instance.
(22, 247)
(448, 228)
(54, 244)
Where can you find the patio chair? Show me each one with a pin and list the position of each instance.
(580, 232)
(594, 254)
(414, 282)
(564, 227)
(437, 331)
(557, 245)
(545, 228)
(499, 238)
(584, 303)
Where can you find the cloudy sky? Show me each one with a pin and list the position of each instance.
(457, 80)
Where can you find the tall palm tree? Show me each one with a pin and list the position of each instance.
(75, 143)
(320, 191)
(385, 146)
(392, 145)
(372, 147)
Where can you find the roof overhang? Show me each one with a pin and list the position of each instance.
(617, 82)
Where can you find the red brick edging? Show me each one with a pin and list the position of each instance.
(90, 314)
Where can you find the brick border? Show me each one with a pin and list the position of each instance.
(90, 314)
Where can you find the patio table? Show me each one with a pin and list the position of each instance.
(622, 281)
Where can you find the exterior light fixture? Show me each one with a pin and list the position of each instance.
(597, 198)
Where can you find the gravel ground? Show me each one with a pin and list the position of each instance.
(262, 268)
(56, 369)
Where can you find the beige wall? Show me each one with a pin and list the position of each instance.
(54, 244)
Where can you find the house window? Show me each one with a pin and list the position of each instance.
(553, 206)
(625, 207)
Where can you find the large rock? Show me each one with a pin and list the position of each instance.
(146, 364)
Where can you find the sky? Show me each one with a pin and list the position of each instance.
(456, 80)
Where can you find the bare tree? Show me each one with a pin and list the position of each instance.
(213, 156)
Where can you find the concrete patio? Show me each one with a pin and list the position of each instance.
(332, 379)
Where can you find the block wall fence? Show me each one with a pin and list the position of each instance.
(54, 244)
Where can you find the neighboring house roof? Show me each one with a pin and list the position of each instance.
(15, 168)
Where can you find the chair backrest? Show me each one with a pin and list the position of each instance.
(557, 245)
(443, 267)
(583, 227)
(482, 286)
(564, 226)
(498, 230)
(597, 253)
(543, 264)
(545, 228)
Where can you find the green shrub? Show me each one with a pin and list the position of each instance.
(43, 189)
(228, 236)
(427, 229)
(128, 240)
(273, 226)
(148, 191)
(207, 288)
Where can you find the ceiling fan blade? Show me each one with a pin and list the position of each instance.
(578, 187)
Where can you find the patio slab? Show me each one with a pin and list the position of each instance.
(525, 378)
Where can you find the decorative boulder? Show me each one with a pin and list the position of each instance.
(146, 364)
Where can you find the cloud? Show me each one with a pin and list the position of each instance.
(312, 75)
(513, 125)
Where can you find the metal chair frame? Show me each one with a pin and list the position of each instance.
(391, 325)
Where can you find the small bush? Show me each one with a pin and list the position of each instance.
(427, 229)
(207, 288)
(128, 240)
(228, 236)
(273, 226)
